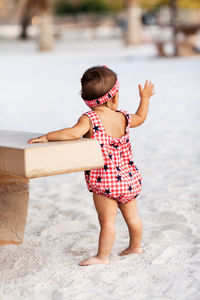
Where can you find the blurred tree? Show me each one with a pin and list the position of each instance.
(44, 9)
(188, 3)
(68, 7)
(133, 32)
(63, 7)
(153, 4)
(25, 18)
(77, 6)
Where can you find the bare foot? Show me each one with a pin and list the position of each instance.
(131, 251)
(93, 260)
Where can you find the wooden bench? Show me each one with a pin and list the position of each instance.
(20, 161)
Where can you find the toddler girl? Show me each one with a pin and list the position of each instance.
(119, 182)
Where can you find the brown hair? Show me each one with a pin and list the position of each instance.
(96, 82)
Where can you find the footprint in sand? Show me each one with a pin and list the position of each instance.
(178, 233)
(165, 217)
(170, 252)
(63, 228)
(156, 237)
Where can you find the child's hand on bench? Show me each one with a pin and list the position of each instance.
(40, 139)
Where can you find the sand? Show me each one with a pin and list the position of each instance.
(41, 93)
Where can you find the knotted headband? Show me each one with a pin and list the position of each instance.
(103, 99)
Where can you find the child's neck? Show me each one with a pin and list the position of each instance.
(102, 108)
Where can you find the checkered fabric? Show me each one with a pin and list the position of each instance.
(119, 179)
(105, 98)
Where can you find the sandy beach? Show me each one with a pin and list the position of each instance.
(41, 92)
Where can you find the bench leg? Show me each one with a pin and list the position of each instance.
(14, 198)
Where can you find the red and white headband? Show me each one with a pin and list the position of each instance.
(95, 102)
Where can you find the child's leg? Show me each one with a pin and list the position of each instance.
(107, 211)
(130, 213)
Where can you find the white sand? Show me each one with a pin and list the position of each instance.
(40, 93)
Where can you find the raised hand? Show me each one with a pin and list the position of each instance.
(40, 139)
(147, 91)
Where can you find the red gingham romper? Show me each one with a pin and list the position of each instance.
(119, 179)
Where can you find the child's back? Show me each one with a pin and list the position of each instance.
(114, 123)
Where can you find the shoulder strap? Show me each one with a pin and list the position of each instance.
(127, 116)
(96, 122)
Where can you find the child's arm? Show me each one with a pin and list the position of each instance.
(72, 133)
(145, 94)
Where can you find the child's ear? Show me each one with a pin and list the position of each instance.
(114, 99)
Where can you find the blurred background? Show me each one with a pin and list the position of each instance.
(144, 21)
(46, 45)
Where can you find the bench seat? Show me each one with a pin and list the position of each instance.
(17, 157)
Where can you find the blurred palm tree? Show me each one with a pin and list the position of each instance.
(133, 32)
(44, 9)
